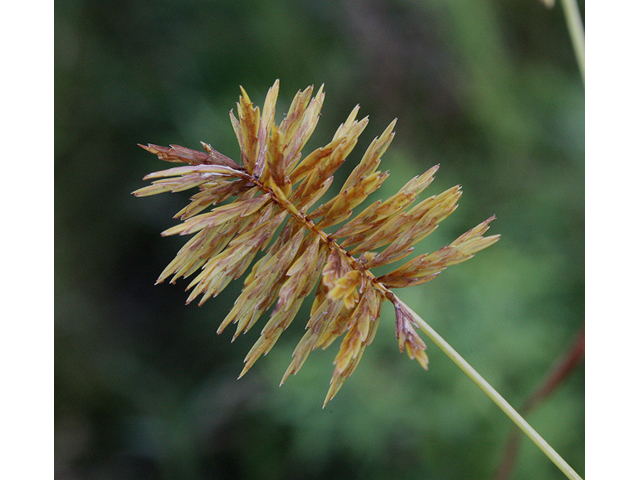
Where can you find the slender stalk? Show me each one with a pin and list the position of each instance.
(495, 396)
(576, 31)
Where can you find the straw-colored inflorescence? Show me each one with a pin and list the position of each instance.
(274, 187)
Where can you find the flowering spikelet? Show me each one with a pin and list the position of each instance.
(274, 186)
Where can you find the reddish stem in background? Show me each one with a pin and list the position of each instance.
(555, 376)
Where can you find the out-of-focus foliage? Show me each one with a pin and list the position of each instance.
(145, 389)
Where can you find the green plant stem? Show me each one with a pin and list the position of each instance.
(576, 31)
(495, 396)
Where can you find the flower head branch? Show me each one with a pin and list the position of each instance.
(275, 187)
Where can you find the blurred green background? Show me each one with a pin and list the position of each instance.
(145, 389)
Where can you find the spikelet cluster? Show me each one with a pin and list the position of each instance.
(274, 186)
